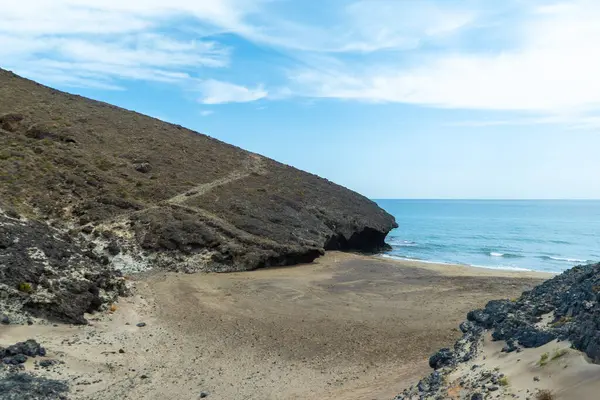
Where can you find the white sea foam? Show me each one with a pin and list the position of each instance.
(403, 243)
(505, 255)
(496, 267)
(414, 259)
(503, 268)
(573, 260)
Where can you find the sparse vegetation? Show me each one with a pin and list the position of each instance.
(544, 395)
(103, 164)
(561, 321)
(503, 381)
(25, 287)
(546, 358)
(558, 353)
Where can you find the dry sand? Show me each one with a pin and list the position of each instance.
(344, 327)
(555, 367)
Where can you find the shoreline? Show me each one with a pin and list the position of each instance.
(441, 264)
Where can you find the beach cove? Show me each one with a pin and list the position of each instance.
(344, 327)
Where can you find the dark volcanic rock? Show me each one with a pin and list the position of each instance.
(572, 297)
(443, 358)
(144, 167)
(47, 363)
(184, 200)
(18, 353)
(29, 348)
(566, 307)
(46, 273)
(17, 385)
(20, 386)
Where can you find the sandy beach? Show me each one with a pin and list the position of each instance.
(345, 327)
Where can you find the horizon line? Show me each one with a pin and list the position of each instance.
(482, 199)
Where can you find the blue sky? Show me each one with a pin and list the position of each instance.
(392, 98)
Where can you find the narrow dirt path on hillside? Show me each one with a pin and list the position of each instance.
(253, 165)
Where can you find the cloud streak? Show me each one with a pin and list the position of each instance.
(424, 52)
(217, 92)
(551, 69)
(104, 44)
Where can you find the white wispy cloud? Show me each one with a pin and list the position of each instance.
(206, 113)
(551, 68)
(218, 92)
(363, 26)
(94, 43)
(538, 56)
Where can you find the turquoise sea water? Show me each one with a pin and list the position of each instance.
(541, 235)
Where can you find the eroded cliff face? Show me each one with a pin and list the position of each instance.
(47, 273)
(156, 194)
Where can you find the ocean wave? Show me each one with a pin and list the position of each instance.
(406, 243)
(402, 243)
(423, 246)
(504, 255)
(564, 259)
(402, 258)
(496, 267)
(559, 242)
(503, 268)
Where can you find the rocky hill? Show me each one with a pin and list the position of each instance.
(145, 192)
(561, 315)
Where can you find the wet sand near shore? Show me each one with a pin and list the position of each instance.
(345, 327)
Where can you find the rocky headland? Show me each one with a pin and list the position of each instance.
(162, 195)
(91, 193)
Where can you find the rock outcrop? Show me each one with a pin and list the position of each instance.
(46, 273)
(21, 385)
(566, 307)
(16, 384)
(158, 194)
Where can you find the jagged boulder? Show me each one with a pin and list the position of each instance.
(442, 358)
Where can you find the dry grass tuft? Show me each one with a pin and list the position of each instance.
(559, 353)
(544, 395)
